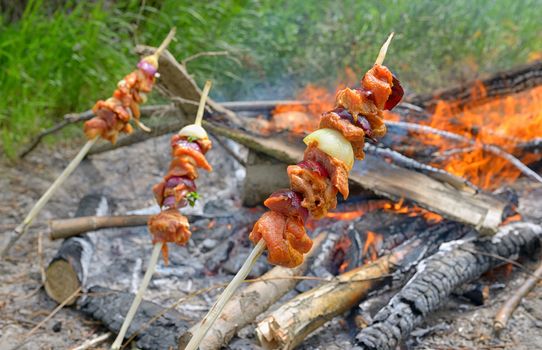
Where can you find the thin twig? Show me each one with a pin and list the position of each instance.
(41, 135)
(506, 311)
(91, 343)
(456, 137)
(139, 296)
(40, 257)
(22, 229)
(226, 295)
(51, 315)
(205, 53)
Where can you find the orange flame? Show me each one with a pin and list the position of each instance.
(506, 122)
(372, 245)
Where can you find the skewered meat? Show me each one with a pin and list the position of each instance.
(114, 114)
(174, 191)
(315, 182)
(285, 238)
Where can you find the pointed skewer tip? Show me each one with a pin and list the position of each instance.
(203, 99)
(384, 50)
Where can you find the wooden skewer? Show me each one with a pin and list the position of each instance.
(201, 107)
(22, 229)
(384, 50)
(156, 250)
(218, 306)
(139, 296)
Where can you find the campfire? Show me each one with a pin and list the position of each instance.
(435, 205)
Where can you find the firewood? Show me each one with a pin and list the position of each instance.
(438, 276)
(286, 327)
(259, 296)
(68, 269)
(64, 228)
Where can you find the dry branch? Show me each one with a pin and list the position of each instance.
(438, 276)
(506, 311)
(245, 306)
(64, 228)
(287, 326)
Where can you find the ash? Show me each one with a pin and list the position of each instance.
(219, 244)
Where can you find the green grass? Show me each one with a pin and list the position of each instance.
(55, 62)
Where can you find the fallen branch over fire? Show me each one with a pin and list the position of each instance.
(438, 276)
(409, 163)
(286, 327)
(459, 138)
(259, 295)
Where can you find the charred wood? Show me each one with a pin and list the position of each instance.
(438, 276)
(499, 84)
(287, 326)
(109, 307)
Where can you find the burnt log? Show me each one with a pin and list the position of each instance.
(498, 84)
(289, 325)
(439, 275)
(109, 306)
(68, 269)
(245, 306)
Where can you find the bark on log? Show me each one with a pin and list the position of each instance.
(498, 84)
(68, 270)
(109, 307)
(64, 228)
(438, 276)
(245, 306)
(286, 327)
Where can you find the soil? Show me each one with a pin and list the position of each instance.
(125, 176)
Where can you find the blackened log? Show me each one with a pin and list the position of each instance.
(68, 269)
(439, 275)
(499, 84)
(109, 307)
(289, 325)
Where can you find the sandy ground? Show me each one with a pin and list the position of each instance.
(127, 176)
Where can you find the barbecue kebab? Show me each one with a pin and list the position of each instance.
(176, 190)
(315, 181)
(113, 116)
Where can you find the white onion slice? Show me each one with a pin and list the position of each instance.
(334, 144)
(195, 131)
